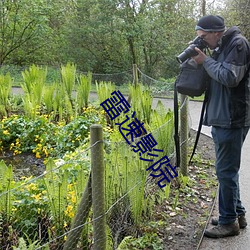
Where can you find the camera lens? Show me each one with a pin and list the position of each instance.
(190, 50)
(187, 53)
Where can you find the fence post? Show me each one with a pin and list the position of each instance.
(184, 135)
(80, 218)
(98, 195)
(135, 74)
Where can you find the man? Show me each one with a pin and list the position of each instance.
(228, 112)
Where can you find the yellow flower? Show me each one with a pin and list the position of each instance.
(69, 211)
(14, 209)
(6, 132)
(16, 152)
(37, 196)
(45, 151)
(31, 186)
(38, 155)
(73, 199)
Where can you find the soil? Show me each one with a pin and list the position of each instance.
(25, 164)
(187, 222)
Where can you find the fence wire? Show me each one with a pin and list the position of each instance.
(39, 213)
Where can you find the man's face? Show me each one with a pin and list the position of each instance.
(211, 38)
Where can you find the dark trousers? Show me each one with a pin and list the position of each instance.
(228, 145)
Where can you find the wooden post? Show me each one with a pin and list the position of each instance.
(98, 195)
(80, 218)
(184, 135)
(135, 74)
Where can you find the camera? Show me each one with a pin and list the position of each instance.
(190, 51)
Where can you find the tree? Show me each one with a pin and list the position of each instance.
(102, 36)
(21, 21)
(237, 13)
(108, 36)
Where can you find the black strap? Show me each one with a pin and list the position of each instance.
(176, 126)
(199, 127)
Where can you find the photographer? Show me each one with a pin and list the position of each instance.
(228, 112)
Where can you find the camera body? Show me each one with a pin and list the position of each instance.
(190, 51)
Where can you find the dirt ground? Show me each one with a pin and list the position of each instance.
(187, 222)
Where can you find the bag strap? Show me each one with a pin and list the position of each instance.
(200, 126)
(176, 126)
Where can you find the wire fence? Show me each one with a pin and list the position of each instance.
(161, 87)
(57, 209)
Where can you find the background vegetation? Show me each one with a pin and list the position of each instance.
(104, 36)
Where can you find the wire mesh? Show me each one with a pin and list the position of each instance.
(40, 210)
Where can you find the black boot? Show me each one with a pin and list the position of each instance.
(221, 230)
(241, 219)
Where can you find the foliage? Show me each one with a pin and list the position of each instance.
(30, 204)
(141, 102)
(162, 126)
(22, 23)
(34, 81)
(68, 74)
(126, 172)
(22, 245)
(37, 204)
(48, 98)
(50, 201)
(43, 137)
(6, 184)
(83, 91)
(5, 89)
(147, 241)
(236, 13)
(106, 36)
(104, 90)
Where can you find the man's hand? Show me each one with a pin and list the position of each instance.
(200, 58)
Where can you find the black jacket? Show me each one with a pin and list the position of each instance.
(229, 90)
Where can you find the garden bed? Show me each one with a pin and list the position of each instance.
(181, 215)
(38, 211)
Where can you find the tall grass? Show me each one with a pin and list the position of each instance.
(6, 184)
(83, 90)
(162, 125)
(48, 98)
(125, 180)
(33, 86)
(68, 74)
(141, 102)
(104, 90)
(5, 90)
(126, 173)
